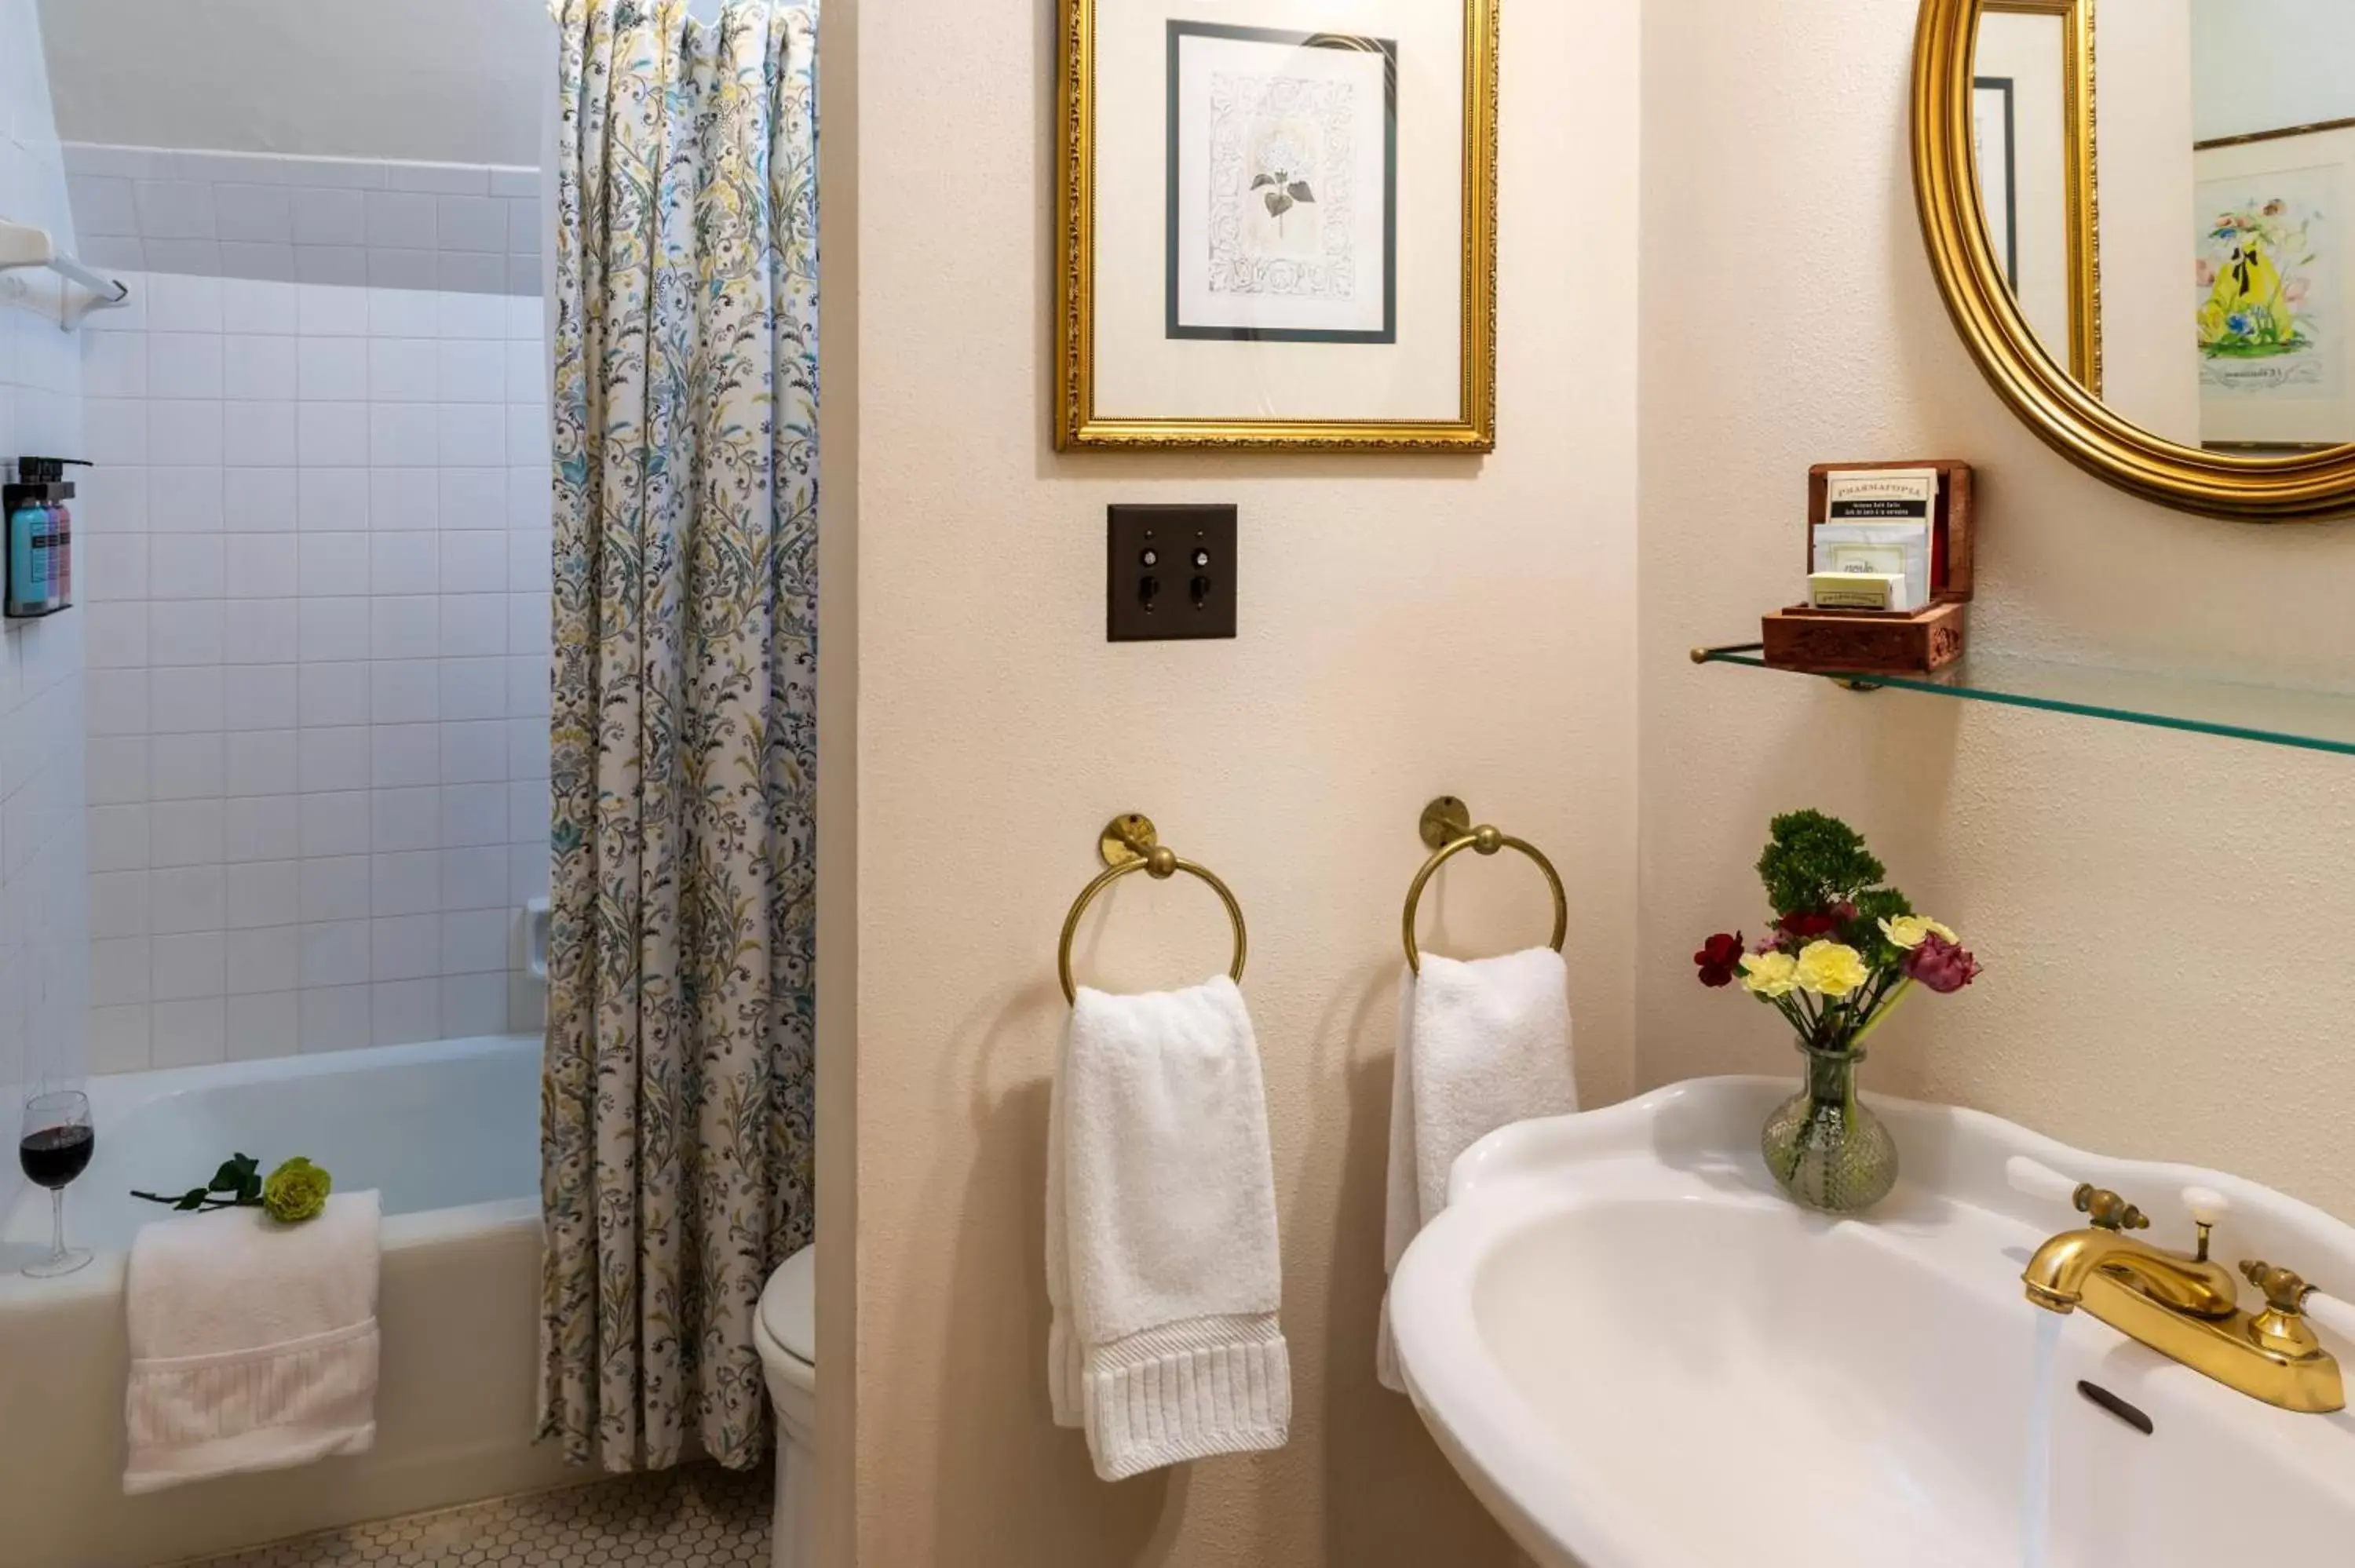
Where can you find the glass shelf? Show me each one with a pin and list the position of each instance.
(2277, 716)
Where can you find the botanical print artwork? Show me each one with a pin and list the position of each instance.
(2264, 271)
(1281, 173)
(1279, 186)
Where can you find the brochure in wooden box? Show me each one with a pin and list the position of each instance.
(1872, 641)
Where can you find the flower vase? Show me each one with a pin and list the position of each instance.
(1824, 1149)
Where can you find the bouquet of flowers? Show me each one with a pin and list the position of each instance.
(1843, 950)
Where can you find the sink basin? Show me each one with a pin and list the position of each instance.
(1639, 1354)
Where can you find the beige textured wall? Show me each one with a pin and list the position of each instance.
(837, 795)
(1409, 628)
(2157, 912)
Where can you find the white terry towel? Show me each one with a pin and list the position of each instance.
(1480, 1045)
(253, 1344)
(1161, 1256)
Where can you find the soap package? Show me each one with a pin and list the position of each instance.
(1900, 549)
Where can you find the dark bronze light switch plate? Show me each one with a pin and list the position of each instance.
(1169, 573)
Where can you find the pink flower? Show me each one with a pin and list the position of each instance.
(1945, 966)
(2296, 290)
(2206, 273)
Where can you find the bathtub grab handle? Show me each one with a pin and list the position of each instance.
(535, 937)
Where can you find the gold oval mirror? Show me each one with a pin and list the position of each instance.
(2140, 217)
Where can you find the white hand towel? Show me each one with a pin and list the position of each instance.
(1480, 1045)
(253, 1344)
(1162, 1267)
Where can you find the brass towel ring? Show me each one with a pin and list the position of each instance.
(1129, 843)
(1447, 827)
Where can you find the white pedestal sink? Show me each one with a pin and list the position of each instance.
(1640, 1355)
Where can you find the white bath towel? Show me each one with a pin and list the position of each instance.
(1162, 1267)
(253, 1344)
(1480, 1045)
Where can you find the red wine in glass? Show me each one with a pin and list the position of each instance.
(54, 1147)
(56, 1155)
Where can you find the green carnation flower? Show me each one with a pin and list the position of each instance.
(296, 1191)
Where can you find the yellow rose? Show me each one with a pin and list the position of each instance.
(296, 1191)
(1828, 969)
(1770, 974)
(1907, 930)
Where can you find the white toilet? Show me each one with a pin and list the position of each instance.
(786, 1331)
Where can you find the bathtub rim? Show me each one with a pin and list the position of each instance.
(116, 1096)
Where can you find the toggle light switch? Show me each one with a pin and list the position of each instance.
(1139, 604)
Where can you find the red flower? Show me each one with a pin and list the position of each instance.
(1808, 924)
(1719, 958)
(1945, 966)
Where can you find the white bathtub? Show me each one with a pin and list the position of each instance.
(449, 1133)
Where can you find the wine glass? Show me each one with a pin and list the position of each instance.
(56, 1148)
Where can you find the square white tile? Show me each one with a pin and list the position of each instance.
(335, 1018)
(184, 899)
(405, 820)
(189, 966)
(264, 763)
(333, 500)
(332, 564)
(334, 435)
(268, 893)
(474, 878)
(258, 500)
(258, 696)
(184, 832)
(404, 562)
(334, 759)
(262, 1026)
(260, 630)
(333, 370)
(260, 365)
(266, 960)
(475, 752)
(405, 690)
(336, 824)
(260, 828)
(333, 630)
(262, 566)
(401, 1012)
(473, 814)
(190, 1032)
(260, 434)
(335, 952)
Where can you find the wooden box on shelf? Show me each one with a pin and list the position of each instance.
(1878, 642)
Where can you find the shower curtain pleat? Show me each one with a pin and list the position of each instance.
(677, 1104)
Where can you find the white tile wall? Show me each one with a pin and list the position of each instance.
(415, 226)
(316, 569)
(45, 953)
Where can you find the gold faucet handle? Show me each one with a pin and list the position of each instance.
(2108, 1211)
(2284, 1292)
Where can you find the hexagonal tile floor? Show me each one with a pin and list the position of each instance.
(697, 1517)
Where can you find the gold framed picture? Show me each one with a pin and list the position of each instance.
(1277, 225)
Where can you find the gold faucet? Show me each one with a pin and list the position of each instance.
(2187, 1307)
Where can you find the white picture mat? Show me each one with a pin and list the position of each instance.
(1139, 371)
(1204, 55)
(2032, 50)
(2289, 419)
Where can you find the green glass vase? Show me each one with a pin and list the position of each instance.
(1822, 1148)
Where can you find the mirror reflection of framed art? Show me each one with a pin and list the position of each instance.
(1277, 225)
(2033, 138)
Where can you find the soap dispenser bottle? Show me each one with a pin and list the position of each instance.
(39, 553)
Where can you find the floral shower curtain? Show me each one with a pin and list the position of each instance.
(676, 1100)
